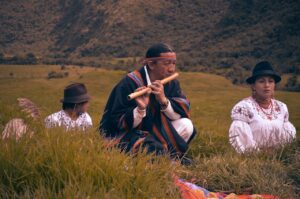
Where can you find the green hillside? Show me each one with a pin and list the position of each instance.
(206, 34)
(54, 164)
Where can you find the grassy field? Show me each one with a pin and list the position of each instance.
(53, 164)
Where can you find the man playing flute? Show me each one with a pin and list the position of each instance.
(158, 120)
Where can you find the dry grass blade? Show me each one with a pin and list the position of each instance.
(29, 107)
(15, 126)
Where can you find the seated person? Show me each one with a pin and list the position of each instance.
(158, 120)
(74, 110)
(260, 121)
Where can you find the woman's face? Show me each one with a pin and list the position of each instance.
(264, 87)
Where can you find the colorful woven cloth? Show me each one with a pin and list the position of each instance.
(191, 191)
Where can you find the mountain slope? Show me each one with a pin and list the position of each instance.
(219, 33)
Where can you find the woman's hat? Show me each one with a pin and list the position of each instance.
(75, 93)
(263, 68)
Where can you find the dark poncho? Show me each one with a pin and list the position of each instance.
(156, 128)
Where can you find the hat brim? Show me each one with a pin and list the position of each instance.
(75, 100)
(251, 80)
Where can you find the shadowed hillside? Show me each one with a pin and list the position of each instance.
(213, 34)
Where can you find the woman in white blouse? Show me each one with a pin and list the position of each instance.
(260, 121)
(74, 110)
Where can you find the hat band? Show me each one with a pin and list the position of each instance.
(170, 57)
(272, 73)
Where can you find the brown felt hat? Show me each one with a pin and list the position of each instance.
(75, 93)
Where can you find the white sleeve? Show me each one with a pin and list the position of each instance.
(170, 113)
(138, 117)
(242, 112)
(289, 131)
(241, 137)
(89, 121)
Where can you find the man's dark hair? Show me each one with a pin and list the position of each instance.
(156, 49)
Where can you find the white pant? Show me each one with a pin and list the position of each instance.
(184, 128)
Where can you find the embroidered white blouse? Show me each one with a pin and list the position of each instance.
(254, 127)
(62, 119)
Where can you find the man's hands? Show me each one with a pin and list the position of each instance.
(157, 89)
(142, 101)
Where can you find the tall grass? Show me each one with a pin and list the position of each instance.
(56, 164)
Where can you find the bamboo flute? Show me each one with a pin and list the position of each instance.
(147, 89)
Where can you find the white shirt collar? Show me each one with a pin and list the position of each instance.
(147, 76)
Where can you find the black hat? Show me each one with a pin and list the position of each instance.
(261, 69)
(75, 93)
